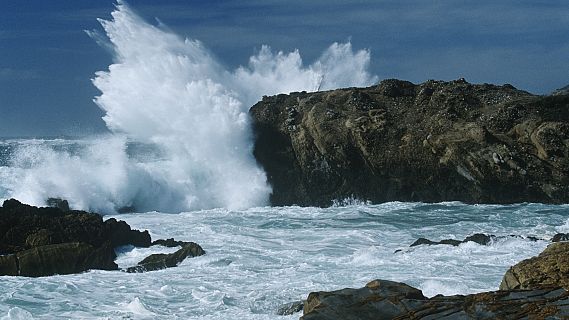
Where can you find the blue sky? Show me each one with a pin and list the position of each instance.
(47, 60)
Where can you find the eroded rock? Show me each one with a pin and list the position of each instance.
(549, 268)
(397, 141)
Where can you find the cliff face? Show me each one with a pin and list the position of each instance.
(437, 141)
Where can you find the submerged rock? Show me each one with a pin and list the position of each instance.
(397, 141)
(480, 238)
(549, 268)
(163, 260)
(381, 299)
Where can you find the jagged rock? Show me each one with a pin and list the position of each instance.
(549, 268)
(381, 299)
(63, 258)
(561, 91)
(24, 227)
(61, 204)
(480, 238)
(46, 241)
(397, 141)
(162, 260)
(170, 242)
(291, 308)
(560, 237)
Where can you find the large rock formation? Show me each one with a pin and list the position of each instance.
(437, 141)
(45, 241)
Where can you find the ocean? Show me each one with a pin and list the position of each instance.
(260, 258)
(179, 158)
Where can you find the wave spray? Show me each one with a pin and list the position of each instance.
(171, 94)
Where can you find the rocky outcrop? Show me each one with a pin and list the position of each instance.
(45, 241)
(437, 141)
(535, 288)
(480, 238)
(549, 268)
(163, 261)
(381, 299)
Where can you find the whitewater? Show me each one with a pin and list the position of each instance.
(178, 157)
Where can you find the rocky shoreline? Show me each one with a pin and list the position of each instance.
(431, 142)
(535, 288)
(36, 242)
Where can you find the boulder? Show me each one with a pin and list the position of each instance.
(381, 299)
(549, 268)
(398, 141)
(163, 260)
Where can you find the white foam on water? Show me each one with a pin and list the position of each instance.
(260, 258)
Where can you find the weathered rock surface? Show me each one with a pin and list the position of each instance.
(437, 141)
(381, 299)
(46, 241)
(549, 268)
(163, 260)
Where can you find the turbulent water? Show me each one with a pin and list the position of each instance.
(171, 95)
(260, 258)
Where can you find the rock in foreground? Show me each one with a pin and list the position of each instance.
(381, 299)
(549, 268)
(46, 241)
(437, 141)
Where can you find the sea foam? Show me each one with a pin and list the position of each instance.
(170, 92)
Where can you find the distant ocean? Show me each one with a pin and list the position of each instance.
(180, 157)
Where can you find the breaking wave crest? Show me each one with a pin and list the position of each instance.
(171, 94)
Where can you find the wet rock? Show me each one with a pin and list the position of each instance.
(560, 237)
(431, 142)
(24, 227)
(170, 242)
(163, 261)
(480, 238)
(549, 268)
(61, 204)
(382, 299)
(46, 241)
(291, 308)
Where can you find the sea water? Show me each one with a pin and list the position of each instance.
(260, 258)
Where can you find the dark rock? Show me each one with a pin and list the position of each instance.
(561, 91)
(291, 308)
(379, 299)
(168, 243)
(61, 204)
(397, 141)
(560, 237)
(549, 268)
(480, 238)
(162, 260)
(382, 299)
(46, 241)
(24, 227)
(64, 258)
